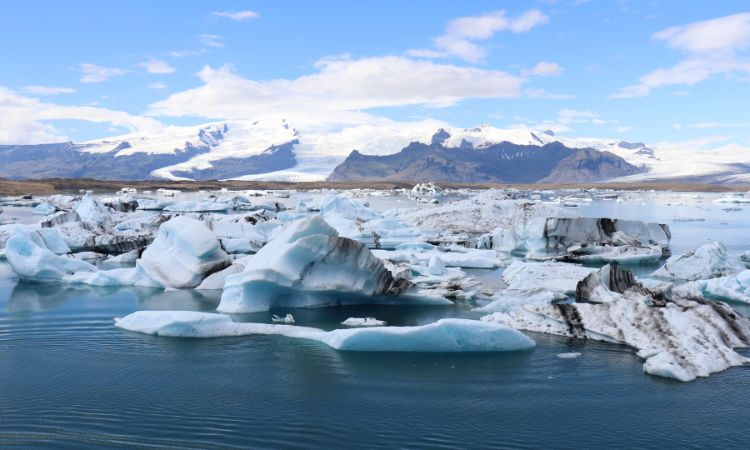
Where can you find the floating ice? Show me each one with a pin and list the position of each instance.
(32, 260)
(707, 261)
(570, 355)
(183, 253)
(681, 338)
(308, 256)
(446, 335)
(363, 322)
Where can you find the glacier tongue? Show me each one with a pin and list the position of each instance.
(446, 335)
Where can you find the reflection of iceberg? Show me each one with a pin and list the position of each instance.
(28, 297)
(446, 335)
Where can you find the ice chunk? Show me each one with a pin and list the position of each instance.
(363, 322)
(436, 266)
(570, 355)
(308, 256)
(44, 209)
(681, 338)
(446, 335)
(731, 288)
(183, 253)
(707, 261)
(32, 260)
(199, 206)
(554, 276)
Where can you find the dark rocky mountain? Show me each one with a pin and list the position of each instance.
(503, 163)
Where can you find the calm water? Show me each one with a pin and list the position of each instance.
(70, 379)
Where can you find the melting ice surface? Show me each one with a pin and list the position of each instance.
(69, 378)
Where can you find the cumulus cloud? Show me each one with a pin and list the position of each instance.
(157, 66)
(26, 119)
(93, 73)
(713, 47)
(338, 86)
(47, 90)
(237, 16)
(462, 34)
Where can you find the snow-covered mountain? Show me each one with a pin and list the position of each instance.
(276, 150)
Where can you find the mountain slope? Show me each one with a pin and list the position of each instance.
(504, 162)
(273, 149)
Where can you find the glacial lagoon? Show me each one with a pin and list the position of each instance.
(70, 379)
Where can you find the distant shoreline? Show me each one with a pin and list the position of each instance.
(74, 185)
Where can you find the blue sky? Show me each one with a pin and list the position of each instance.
(637, 70)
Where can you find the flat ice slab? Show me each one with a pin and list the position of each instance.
(446, 335)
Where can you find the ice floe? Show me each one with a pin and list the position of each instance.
(446, 335)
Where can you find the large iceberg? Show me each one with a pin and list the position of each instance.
(307, 257)
(679, 337)
(446, 335)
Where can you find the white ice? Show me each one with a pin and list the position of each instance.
(446, 335)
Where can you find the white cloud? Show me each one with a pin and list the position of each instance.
(157, 85)
(714, 48)
(47, 90)
(461, 34)
(623, 129)
(338, 87)
(157, 66)
(728, 33)
(544, 69)
(25, 119)
(212, 40)
(93, 73)
(237, 16)
(541, 93)
(571, 116)
(185, 53)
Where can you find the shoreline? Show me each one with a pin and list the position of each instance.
(74, 185)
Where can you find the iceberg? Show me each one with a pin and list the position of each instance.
(308, 256)
(707, 261)
(735, 288)
(679, 337)
(183, 253)
(446, 335)
(536, 283)
(32, 260)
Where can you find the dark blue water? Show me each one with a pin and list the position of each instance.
(70, 379)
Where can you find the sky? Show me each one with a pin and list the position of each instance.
(650, 71)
